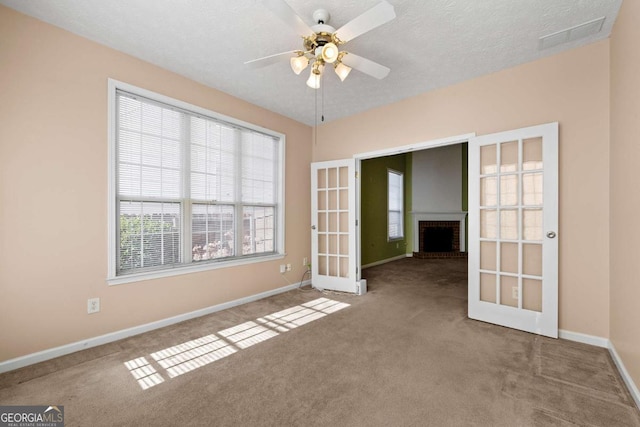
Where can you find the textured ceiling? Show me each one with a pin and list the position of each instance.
(431, 43)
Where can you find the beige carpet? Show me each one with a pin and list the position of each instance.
(404, 354)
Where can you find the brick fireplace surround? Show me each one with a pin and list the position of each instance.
(439, 222)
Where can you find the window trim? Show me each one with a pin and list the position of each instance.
(112, 277)
(401, 237)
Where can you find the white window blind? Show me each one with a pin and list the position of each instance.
(190, 188)
(395, 205)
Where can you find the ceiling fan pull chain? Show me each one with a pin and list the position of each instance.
(322, 110)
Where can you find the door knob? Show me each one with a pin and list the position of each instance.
(551, 234)
(313, 227)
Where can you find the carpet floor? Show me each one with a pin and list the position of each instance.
(404, 354)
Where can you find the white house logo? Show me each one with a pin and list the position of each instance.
(32, 416)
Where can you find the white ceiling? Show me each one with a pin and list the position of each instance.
(431, 43)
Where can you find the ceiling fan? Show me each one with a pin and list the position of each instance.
(322, 42)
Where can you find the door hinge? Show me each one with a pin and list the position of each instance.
(357, 174)
(356, 222)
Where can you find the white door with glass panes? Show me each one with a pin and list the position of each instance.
(333, 225)
(513, 229)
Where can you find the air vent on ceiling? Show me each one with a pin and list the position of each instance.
(570, 34)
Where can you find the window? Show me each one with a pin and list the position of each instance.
(190, 189)
(395, 202)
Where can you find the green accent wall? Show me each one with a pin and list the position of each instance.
(373, 204)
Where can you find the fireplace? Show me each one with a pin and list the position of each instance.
(439, 235)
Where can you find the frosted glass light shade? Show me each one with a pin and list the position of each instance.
(314, 79)
(342, 71)
(330, 53)
(299, 63)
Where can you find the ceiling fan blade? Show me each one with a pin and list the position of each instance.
(283, 11)
(365, 65)
(268, 60)
(372, 18)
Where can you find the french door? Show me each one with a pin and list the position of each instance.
(333, 225)
(513, 229)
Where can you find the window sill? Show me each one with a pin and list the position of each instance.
(177, 271)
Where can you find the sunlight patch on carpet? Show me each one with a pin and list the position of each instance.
(188, 356)
(143, 372)
(191, 355)
(248, 334)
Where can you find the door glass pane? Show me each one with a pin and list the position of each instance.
(509, 257)
(322, 222)
(333, 244)
(509, 156)
(344, 244)
(333, 200)
(532, 189)
(344, 177)
(489, 191)
(333, 266)
(532, 294)
(532, 224)
(344, 222)
(344, 200)
(507, 286)
(333, 177)
(322, 265)
(333, 222)
(489, 224)
(509, 224)
(488, 256)
(322, 243)
(532, 154)
(532, 259)
(322, 200)
(344, 267)
(488, 162)
(488, 287)
(509, 190)
(322, 178)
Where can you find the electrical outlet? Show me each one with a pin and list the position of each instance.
(93, 305)
(305, 262)
(288, 267)
(514, 292)
(283, 268)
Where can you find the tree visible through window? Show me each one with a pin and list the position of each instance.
(395, 204)
(190, 188)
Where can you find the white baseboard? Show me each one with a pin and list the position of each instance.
(605, 343)
(384, 261)
(631, 385)
(41, 356)
(583, 338)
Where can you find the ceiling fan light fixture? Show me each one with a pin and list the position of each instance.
(299, 63)
(342, 70)
(314, 77)
(330, 52)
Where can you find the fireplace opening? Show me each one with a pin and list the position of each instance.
(438, 239)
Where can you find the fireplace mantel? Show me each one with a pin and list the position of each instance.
(438, 216)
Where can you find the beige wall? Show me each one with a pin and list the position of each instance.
(571, 88)
(53, 193)
(625, 197)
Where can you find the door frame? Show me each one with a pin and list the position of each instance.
(425, 145)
